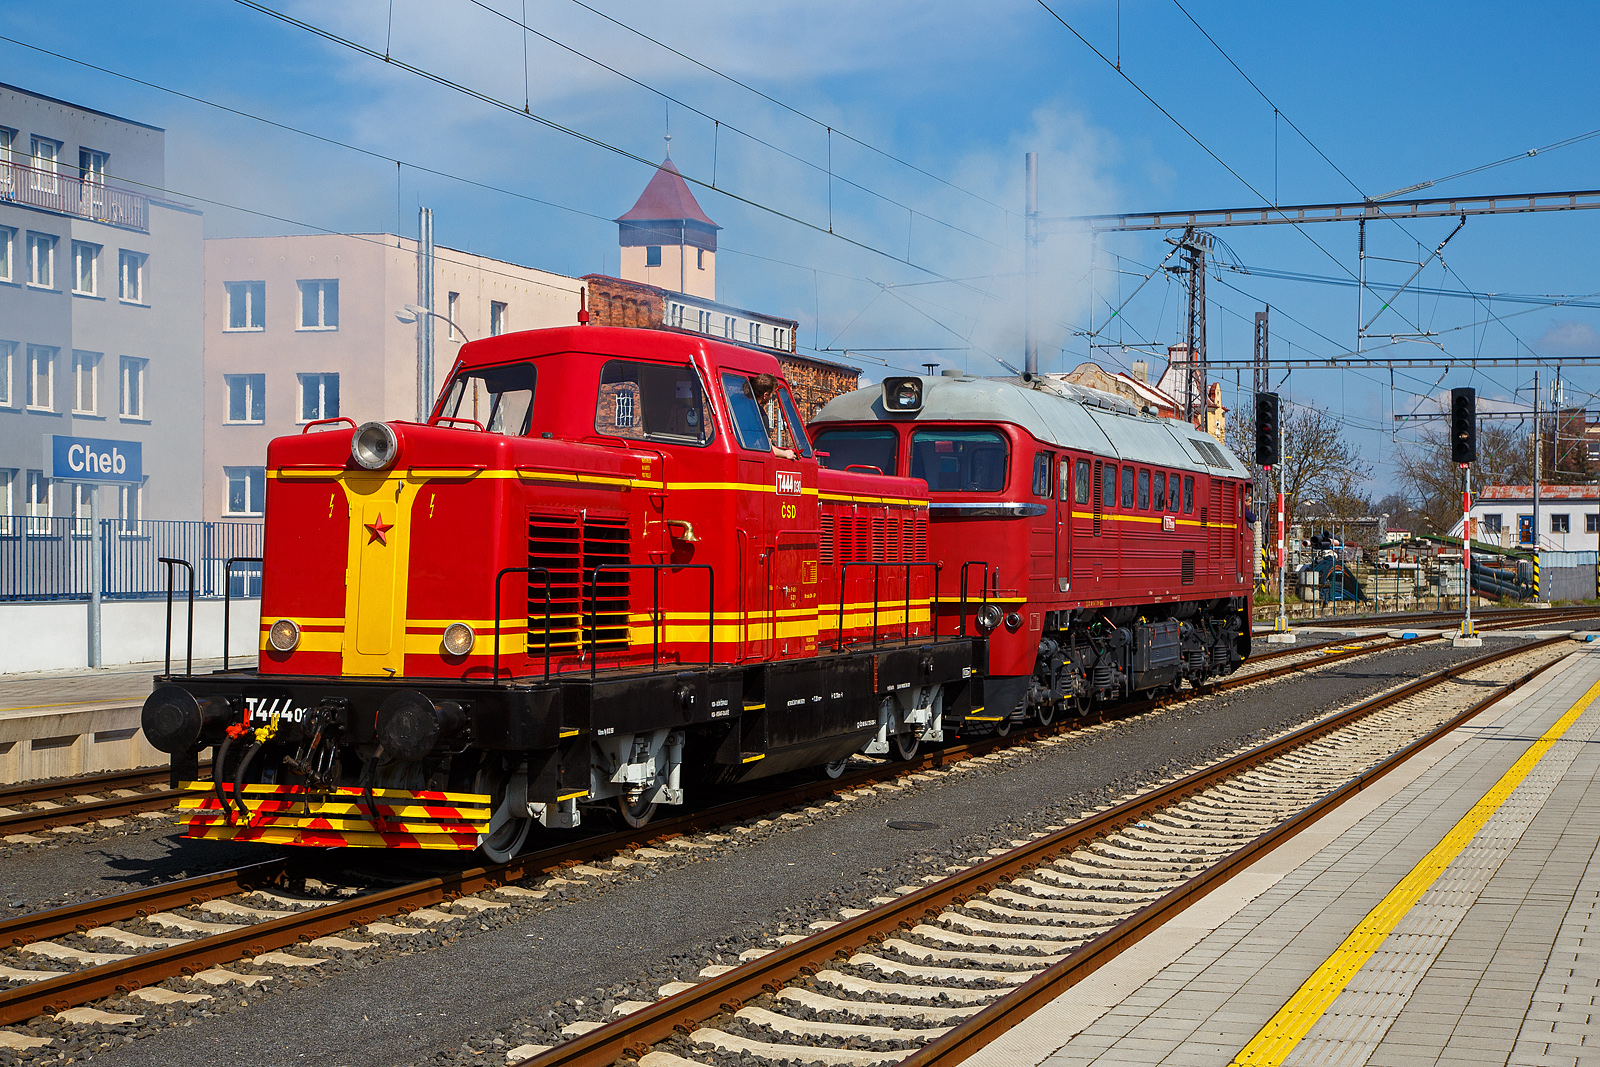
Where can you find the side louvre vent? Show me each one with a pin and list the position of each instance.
(570, 552)
(825, 542)
(1188, 566)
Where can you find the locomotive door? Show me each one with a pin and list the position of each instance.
(1044, 537)
(1066, 494)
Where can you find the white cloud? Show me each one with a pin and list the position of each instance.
(1569, 337)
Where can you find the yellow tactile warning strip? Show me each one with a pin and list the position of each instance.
(1278, 1038)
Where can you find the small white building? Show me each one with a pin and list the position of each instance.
(1569, 517)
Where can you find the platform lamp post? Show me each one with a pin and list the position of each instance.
(1464, 452)
(1268, 449)
(409, 314)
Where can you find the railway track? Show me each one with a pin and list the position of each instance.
(125, 798)
(930, 977)
(262, 914)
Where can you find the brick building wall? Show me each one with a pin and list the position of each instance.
(814, 382)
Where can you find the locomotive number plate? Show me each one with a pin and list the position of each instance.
(788, 483)
(262, 709)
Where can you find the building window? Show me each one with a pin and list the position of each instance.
(497, 318)
(1591, 523)
(247, 305)
(755, 333)
(451, 302)
(6, 507)
(130, 276)
(41, 378)
(8, 349)
(7, 139)
(246, 397)
(45, 153)
(85, 382)
(727, 326)
(652, 255)
(319, 396)
(1560, 524)
(92, 166)
(624, 401)
(8, 238)
(37, 503)
(319, 305)
(42, 260)
(130, 506)
(247, 490)
(1492, 523)
(130, 388)
(85, 268)
(82, 505)
(700, 258)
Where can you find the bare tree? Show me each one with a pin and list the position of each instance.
(1432, 482)
(1317, 461)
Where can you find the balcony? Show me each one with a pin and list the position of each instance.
(49, 190)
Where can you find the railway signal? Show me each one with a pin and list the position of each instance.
(1268, 442)
(1463, 426)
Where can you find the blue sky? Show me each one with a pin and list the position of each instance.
(949, 97)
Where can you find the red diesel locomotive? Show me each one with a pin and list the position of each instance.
(1114, 544)
(609, 565)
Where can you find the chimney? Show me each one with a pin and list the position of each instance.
(1141, 371)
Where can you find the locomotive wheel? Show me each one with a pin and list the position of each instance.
(1081, 704)
(1046, 713)
(904, 746)
(1003, 727)
(830, 771)
(635, 812)
(506, 836)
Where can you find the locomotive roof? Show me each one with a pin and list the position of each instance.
(1054, 411)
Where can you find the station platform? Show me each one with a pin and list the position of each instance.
(58, 723)
(1450, 914)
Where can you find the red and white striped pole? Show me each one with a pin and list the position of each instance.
(1466, 547)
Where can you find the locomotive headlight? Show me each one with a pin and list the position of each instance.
(459, 639)
(375, 446)
(284, 635)
(988, 617)
(902, 395)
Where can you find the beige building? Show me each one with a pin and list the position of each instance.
(302, 328)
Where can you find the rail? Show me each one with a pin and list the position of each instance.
(227, 600)
(877, 576)
(47, 189)
(498, 580)
(188, 666)
(655, 570)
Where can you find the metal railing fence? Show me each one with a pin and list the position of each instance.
(49, 558)
(56, 190)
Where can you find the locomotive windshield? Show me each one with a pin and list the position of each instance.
(859, 448)
(499, 398)
(972, 461)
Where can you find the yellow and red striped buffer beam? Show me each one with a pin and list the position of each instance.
(337, 817)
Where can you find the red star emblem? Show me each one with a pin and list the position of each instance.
(376, 531)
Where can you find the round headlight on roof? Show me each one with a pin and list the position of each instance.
(459, 639)
(375, 446)
(284, 635)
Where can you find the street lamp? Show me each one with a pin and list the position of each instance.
(410, 313)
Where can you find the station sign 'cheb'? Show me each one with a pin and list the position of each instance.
(94, 459)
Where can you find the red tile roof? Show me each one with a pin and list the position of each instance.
(667, 197)
(1546, 492)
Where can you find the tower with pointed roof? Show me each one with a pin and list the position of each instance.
(667, 240)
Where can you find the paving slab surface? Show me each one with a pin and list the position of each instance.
(1443, 917)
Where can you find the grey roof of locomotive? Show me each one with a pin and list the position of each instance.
(1052, 410)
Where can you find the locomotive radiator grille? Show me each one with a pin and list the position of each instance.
(1098, 498)
(1188, 566)
(825, 540)
(570, 551)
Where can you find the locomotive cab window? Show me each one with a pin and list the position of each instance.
(1172, 494)
(1158, 495)
(1041, 475)
(1144, 489)
(498, 398)
(859, 448)
(658, 401)
(956, 461)
(1108, 498)
(1127, 488)
(1188, 494)
(1081, 486)
(764, 416)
